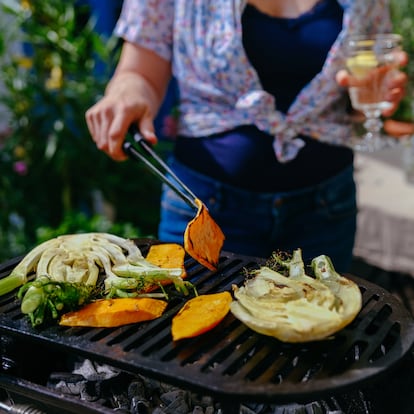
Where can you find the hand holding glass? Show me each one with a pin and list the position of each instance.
(370, 60)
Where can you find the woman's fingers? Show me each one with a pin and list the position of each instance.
(342, 78)
(146, 127)
(109, 120)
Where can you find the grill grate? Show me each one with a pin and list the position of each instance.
(231, 361)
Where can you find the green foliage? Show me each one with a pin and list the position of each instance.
(402, 12)
(79, 222)
(50, 169)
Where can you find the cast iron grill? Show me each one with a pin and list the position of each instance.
(231, 362)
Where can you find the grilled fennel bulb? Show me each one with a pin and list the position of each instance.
(297, 307)
(67, 270)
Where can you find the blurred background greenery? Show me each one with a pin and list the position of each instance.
(402, 13)
(54, 64)
(53, 179)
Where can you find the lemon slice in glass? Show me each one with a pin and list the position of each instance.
(361, 64)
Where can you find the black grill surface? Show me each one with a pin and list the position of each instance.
(231, 361)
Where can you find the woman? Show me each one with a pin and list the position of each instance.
(263, 114)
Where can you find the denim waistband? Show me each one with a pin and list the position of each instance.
(214, 192)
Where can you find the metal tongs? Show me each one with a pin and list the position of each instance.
(175, 183)
(203, 238)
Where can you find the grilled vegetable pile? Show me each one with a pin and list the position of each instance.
(280, 300)
(69, 270)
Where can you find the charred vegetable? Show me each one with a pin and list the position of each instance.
(44, 299)
(78, 261)
(108, 313)
(280, 300)
(203, 238)
(200, 314)
(170, 255)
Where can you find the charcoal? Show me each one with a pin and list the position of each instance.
(68, 377)
(136, 394)
(137, 390)
(139, 406)
(246, 410)
(91, 391)
(159, 410)
(176, 402)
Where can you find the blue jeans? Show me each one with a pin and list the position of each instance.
(319, 220)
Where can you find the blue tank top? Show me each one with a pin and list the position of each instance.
(287, 54)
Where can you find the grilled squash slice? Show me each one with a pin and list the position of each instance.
(203, 238)
(109, 313)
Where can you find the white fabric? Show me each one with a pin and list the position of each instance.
(385, 233)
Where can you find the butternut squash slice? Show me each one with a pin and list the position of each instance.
(200, 314)
(167, 256)
(108, 313)
(203, 238)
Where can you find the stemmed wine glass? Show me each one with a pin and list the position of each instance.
(370, 59)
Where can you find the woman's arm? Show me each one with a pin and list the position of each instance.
(134, 94)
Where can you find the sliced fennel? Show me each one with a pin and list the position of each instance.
(297, 307)
(74, 262)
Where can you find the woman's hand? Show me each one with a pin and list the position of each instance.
(134, 94)
(396, 82)
(125, 102)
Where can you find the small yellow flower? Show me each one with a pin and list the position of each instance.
(19, 151)
(26, 4)
(55, 80)
(24, 61)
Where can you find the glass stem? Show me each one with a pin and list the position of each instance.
(373, 125)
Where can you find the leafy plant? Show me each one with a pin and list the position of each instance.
(50, 169)
(78, 222)
(402, 13)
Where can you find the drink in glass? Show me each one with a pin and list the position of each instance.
(370, 60)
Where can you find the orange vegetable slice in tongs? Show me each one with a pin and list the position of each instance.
(203, 238)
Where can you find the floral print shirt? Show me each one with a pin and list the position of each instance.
(218, 87)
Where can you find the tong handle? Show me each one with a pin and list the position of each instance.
(187, 195)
